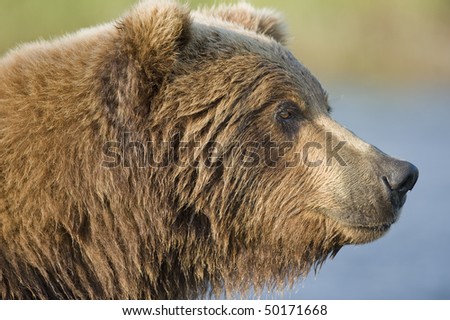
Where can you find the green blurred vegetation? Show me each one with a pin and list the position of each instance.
(384, 40)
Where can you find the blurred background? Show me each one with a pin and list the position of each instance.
(386, 66)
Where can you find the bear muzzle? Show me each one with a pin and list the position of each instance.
(396, 178)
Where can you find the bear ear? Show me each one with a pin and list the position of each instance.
(154, 32)
(262, 21)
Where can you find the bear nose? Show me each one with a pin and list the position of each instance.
(401, 179)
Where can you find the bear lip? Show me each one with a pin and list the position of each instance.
(372, 228)
(363, 233)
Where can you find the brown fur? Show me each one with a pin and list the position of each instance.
(72, 227)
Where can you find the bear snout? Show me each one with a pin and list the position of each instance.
(399, 178)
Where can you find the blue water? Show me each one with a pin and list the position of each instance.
(413, 260)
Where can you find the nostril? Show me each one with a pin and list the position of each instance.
(399, 177)
(402, 178)
(411, 178)
(386, 182)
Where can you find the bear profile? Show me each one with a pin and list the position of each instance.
(175, 154)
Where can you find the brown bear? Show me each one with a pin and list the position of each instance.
(177, 154)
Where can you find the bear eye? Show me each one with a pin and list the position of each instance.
(286, 111)
(288, 116)
(284, 114)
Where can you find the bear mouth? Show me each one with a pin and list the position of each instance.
(361, 234)
(372, 228)
(369, 226)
